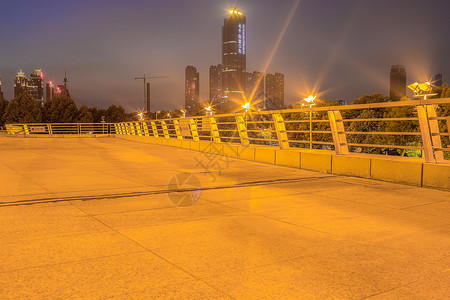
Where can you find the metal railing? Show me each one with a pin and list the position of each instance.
(58, 129)
(418, 128)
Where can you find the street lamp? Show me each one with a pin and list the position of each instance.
(208, 110)
(141, 116)
(246, 106)
(310, 100)
(157, 114)
(183, 112)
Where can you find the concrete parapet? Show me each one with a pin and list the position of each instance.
(186, 144)
(351, 165)
(195, 145)
(289, 158)
(230, 150)
(216, 148)
(436, 176)
(316, 161)
(246, 152)
(400, 170)
(265, 155)
(205, 147)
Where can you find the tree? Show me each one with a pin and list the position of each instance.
(23, 109)
(97, 114)
(3, 104)
(84, 115)
(115, 114)
(61, 109)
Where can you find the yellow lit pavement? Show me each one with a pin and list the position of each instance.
(95, 218)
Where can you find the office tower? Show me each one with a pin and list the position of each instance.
(397, 82)
(215, 86)
(233, 59)
(254, 90)
(274, 91)
(20, 83)
(35, 85)
(438, 80)
(191, 88)
(62, 90)
(49, 91)
(1, 92)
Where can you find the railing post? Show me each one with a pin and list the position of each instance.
(49, 128)
(338, 132)
(242, 129)
(176, 124)
(194, 130)
(214, 130)
(138, 128)
(435, 134)
(25, 129)
(79, 129)
(425, 133)
(280, 128)
(165, 129)
(154, 129)
(146, 133)
(133, 129)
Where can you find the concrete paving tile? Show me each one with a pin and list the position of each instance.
(353, 272)
(440, 209)
(380, 226)
(166, 216)
(195, 289)
(208, 230)
(227, 253)
(46, 251)
(92, 278)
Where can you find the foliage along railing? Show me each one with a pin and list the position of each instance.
(417, 128)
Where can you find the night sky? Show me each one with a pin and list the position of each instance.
(344, 48)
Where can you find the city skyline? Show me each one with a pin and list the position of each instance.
(324, 45)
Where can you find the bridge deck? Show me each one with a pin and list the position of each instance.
(96, 218)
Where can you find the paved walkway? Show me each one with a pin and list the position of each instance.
(95, 218)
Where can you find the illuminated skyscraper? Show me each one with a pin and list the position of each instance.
(35, 85)
(274, 91)
(233, 59)
(20, 83)
(254, 90)
(49, 91)
(215, 86)
(398, 82)
(192, 88)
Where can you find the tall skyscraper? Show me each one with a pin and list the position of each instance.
(35, 85)
(1, 92)
(274, 91)
(254, 90)
(192, 88)
(49, 91)
(215, 86)
(20, 83)
(437, 80)
(397, 82)
(233, 59)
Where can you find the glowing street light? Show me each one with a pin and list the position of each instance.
(421, 89)
(141, 116)
(310, 100)
(246, 106)
(183, 111)
(208, 110)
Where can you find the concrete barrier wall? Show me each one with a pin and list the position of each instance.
(411, 171)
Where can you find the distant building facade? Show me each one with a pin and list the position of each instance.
(49, 91)
(215, 86)
(254, 90)
(438, 79)
(397, 82)
(20, 83)
(234, 62)
(192, 88)
(274, 91)
(35, 85)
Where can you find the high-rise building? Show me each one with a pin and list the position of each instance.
(49, 91)
(35, 85)
(437, 80)
(254, 90)
(397, 82)
(274, 91)
(215, 86)
(234, 50)
(20, 83)
(1, 92)
(191, 88)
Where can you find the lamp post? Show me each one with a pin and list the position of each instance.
(157, 114)
(310, 99)
(246, 106)
(208, 110)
